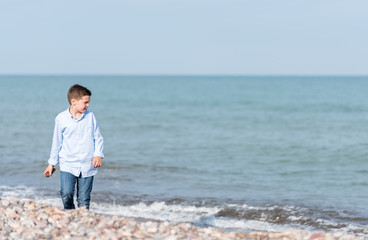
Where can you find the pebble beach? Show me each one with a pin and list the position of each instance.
(27, 219)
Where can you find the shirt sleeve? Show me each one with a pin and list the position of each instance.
(57, 140)
(98, 139)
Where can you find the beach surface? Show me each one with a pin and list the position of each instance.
(27, 219)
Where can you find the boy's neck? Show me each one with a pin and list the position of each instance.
(76, 114)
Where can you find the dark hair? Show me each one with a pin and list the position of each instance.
(77, 91)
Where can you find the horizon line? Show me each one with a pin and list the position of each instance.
(175, 75)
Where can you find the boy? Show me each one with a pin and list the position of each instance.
(78, 147)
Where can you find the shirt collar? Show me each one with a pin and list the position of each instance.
(71, 116)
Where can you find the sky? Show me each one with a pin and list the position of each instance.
(184, 37)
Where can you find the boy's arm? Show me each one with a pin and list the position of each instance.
(98, 141)
(55, 149)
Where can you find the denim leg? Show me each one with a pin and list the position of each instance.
(84, 188)
(67, 182)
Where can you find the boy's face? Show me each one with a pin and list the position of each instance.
(81, 105)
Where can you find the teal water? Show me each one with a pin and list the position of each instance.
(244, 147)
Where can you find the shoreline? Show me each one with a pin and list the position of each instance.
(27, 219)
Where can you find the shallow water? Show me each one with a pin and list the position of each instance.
(250, 153)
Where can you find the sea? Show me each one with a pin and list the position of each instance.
(239, 153)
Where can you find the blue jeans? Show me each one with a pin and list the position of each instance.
(84, 188)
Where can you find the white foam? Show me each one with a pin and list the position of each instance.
(296, 218)
(248, 225)
(204, 216)
(16, 192)
(157, 211)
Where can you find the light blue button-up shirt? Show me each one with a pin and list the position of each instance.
(75, 143)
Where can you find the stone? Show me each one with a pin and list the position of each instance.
(152, 229)
(31, 206)
(12, 214)
(40, 224)
(14, 225)
(5, 203)
(14, 235)
(56, 217)
(171, 238)
(43, 216)
(338, 234)
(316, 236)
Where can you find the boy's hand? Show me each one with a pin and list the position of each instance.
(96, 162)
(49, 171)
